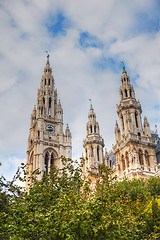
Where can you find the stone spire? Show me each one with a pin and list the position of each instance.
(47, 142)
(129, 110)
(134, 148)
(93, 144)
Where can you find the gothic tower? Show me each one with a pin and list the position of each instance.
(47, 142)
(93, 145)
(134, 148)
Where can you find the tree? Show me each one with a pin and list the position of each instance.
(62, 206)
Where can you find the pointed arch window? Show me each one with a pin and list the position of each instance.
(136, 119)
(49, 107)
(52, 158)
(127, 160)
(140, 154)
(126, 95)
(147, 158)
(130, 91)
(123, 163)
(49, 82)
(98, 154)
(46, 164)
(43, 100)
(122, 122)
(95, 128)
(91, 128)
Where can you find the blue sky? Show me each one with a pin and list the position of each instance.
(87, 40)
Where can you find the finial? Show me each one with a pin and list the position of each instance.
(123, 66)
(91, 107)
(47, 56)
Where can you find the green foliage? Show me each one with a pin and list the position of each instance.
(62, 206)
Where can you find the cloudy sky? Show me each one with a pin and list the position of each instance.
(87, 40)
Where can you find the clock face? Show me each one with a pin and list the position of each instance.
(50, 129)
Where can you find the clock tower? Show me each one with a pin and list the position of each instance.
(47, 142)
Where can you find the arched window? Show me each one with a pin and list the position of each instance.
(95, 128)
(147, 158)
(46, 164)
(49, 82)
(43, 100)
(52, 158)
(127, 159)
(136, 119)
(49, 108)
(126, 93)
(97, 153)
(38, 133)
(91, 128)
(123, 163)
(140, 154)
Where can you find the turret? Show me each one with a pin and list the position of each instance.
(59, 112)
(117, 133)
(147, 130)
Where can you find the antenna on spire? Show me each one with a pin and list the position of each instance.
(47, 56)
(91, 107)
(123, 66)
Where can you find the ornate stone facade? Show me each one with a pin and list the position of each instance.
(93, 145)
(47, 142)
(134, 152)
(134, 148)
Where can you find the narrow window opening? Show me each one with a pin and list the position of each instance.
(91, 151)
(45, 81)
(139, 134)
(52, 159)
(43, 100)
(127, 159)
(38, 133)
(123, 163)
(91, 128)
(140, 157)
(147, 158)
(126, 93)
(130, 92)
(49, 82)
(49, 109)
(98, 154)
(95, 128)
(136, 119)
(46, 164)
(122, 123)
